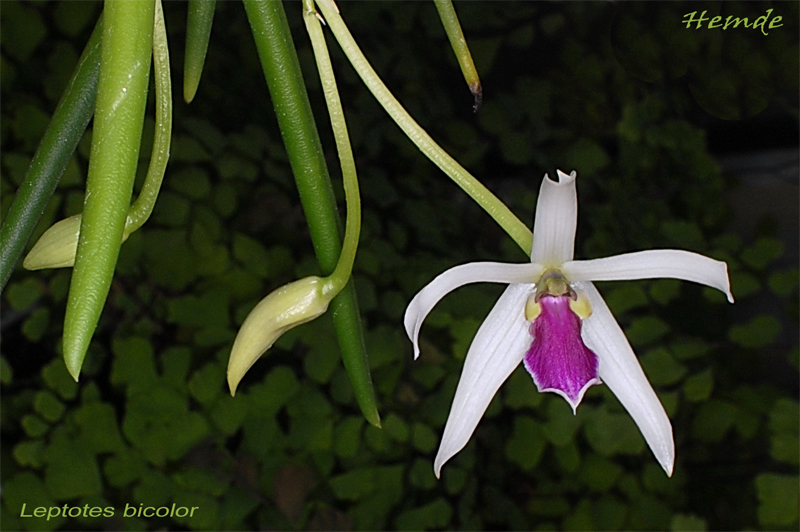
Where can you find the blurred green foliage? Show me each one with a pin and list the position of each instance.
(151, 421)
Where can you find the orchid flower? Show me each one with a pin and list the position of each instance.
(553, 319)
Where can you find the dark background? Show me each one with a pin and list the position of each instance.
(681, 138)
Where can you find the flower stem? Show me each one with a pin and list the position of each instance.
(344, 267)
(295, 119)
(65, 130)
(517, 230)
(453, 29)
(119, 115)
(143, 206)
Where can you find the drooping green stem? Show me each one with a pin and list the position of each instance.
(143, 206)
(453, 29)
(517, 230)
(198, 32)
(295, 119)
(62, 135)
(344, 267)
(119, 114)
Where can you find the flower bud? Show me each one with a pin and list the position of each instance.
(290, 305)
(56, 247)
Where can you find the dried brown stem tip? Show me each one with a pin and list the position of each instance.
(477, 92)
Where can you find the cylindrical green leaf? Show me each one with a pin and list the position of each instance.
(198, 32)
(119, 115)
(57, 146)
(284, 79)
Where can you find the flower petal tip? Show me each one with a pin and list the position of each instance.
(412, 331)
(574, 402)
(727, 290)
(438, 463)
(667, 463)
(564, 178)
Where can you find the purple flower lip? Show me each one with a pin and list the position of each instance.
(558, 360)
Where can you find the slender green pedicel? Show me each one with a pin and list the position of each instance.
(344, 267)
(453, 29)
(517, 230)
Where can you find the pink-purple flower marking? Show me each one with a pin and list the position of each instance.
(558, 360)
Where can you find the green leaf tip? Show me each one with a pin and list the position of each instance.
(119, 116)
(198, 32)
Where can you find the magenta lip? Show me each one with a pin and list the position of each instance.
(558, 360)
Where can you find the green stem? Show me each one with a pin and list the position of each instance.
(344, 267)
(198, 32)
(57, 247)
(453, 29)
(295, 119)
(143, 206)
(62, 135)
(517, 230)
(119, 114)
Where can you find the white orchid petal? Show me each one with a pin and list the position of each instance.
(651, 264)
(474, 272)
(556, 220)
(620, 370)
(496, 350)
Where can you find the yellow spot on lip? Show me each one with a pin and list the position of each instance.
(532, 308)
(581, 307)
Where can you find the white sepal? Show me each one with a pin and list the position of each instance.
(473, 272)
(651, 264)
(556, 220)
(496, 350)
(620, 370)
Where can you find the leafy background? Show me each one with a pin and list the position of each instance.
(644, 109)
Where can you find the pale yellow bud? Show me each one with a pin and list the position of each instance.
(56, 247)
(290, 305)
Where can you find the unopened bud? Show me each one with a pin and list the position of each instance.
(56, 247)
(290, 305)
